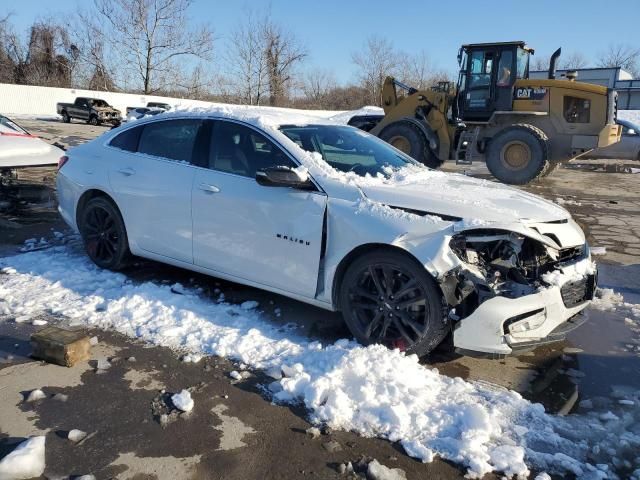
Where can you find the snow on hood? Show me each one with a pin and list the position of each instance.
(465, 197)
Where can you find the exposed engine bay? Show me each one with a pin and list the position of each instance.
(499, 263)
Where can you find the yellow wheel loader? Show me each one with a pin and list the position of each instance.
(523, 127)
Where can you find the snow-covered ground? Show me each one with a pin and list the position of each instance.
(372, 390)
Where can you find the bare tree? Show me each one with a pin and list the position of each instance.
(415, 70)
(151, 37)
(283, 52)
(376, 60)
(7, 64)
(262, 57)
(317, 85)
(247, 61)
(540, 63)
(573, 61)
(623, 56)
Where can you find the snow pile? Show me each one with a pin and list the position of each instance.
(607, 299)
(76, 435)
(372, 390)
(377, 471)
(36, 395)
(26, 461)
(183, 401)
(344, 117)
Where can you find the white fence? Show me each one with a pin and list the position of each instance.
(34, 101)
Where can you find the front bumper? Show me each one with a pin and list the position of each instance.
(501, 325)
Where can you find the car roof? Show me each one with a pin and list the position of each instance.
(627, 123)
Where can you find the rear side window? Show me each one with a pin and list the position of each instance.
(577, 110)
(127, 140)
(171, 139)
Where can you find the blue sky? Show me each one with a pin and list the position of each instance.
(332, 29)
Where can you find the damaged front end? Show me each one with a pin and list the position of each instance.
(512, 290)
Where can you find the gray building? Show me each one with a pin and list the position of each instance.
(627, 87)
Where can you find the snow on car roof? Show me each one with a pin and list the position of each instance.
(262, 117)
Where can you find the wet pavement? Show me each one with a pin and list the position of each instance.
(596, 359)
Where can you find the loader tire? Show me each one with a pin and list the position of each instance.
(518, 154)
(410, 140)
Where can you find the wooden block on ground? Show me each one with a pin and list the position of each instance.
(60, 346)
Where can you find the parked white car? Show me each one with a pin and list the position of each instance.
(141, 112)
(628, 148)
(20, 149)
(332, 216)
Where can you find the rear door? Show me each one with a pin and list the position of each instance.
(151, 174)
(268, 235)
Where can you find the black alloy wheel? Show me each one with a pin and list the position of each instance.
(104, 234)
(390, 299)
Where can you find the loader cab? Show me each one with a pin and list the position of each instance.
(488, 72)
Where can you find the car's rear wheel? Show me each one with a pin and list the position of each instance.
(387, 297)
(65, 117)
(104, 234)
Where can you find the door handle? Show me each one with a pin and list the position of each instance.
(205, 187)
(127, 171)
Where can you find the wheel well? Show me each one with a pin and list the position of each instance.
(88, 195)
(352, 256)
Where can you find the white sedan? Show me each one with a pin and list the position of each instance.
(20, 149)
(332, 216)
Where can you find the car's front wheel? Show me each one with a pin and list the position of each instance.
(104, 234)
(387, 297)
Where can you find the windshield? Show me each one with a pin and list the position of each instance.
(347, 149)
(6, 122)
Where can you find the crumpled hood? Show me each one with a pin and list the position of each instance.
(467, 198)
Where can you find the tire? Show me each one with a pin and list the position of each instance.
(104, 234)
(416, 321)
(65, 117)
(518, 154)
(93, 120)
(410, 140)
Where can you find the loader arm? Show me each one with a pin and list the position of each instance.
(424, 109)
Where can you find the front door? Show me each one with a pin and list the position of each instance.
(268, 235)
(151, 174)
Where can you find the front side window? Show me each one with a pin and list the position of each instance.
(523, 63)
(504, 69)
(242, 151)
(347, 149)
(577, 110)
(481, 66)
(170, 139)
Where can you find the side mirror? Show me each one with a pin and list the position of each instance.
(282, 176)
(631, 131)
